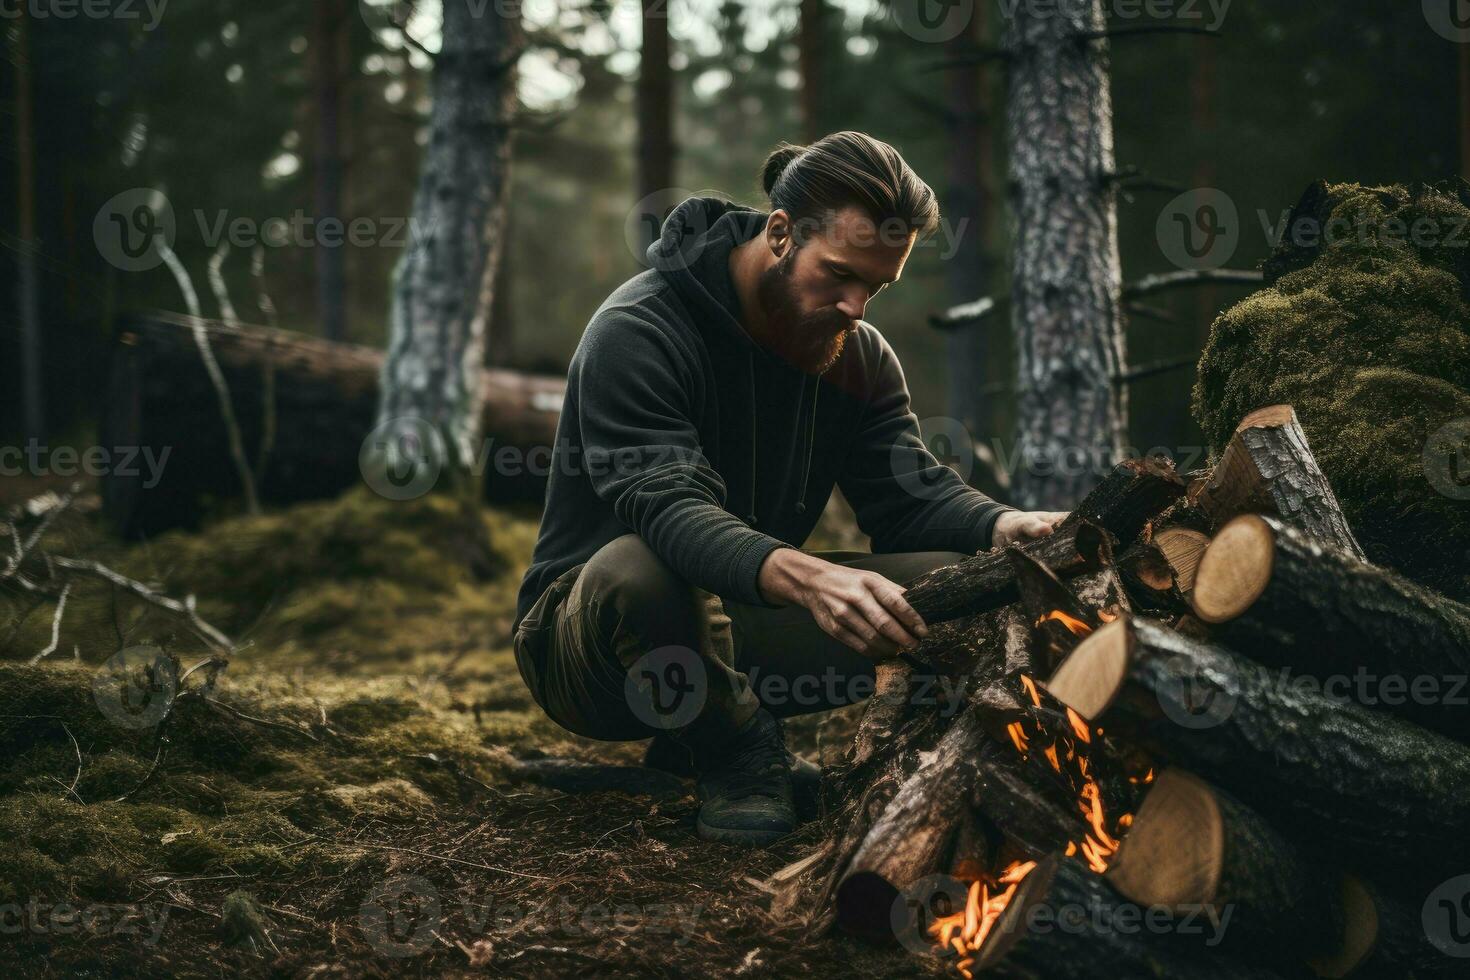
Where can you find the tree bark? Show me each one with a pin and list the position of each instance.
(304, 406)
(811, 60)
(33, 412)
(1369, 789)
(1064, 921)
(1066, 275)
(1268, 466)
(1295, 602)
(328, 37)
(444, 284)
(654, 100)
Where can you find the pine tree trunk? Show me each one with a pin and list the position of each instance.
(655, 108)
(328, 29)
(28, 294)
(1065, 267)
(444, 284)
(809, 52)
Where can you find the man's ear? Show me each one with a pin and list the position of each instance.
(778, 232)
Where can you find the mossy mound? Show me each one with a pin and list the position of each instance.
(1364, 327)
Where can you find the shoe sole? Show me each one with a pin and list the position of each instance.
(727, 835)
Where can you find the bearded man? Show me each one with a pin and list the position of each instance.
(713, 403)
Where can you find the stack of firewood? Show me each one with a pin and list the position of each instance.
(1203, 737)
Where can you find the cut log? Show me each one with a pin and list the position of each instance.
(987, 581)
(1383, 939)
(1368, 789)
(304, 406)
(1132, 495)
(909, 841)
(1064, 921)
(1150, 581)
(1367, 633)
(1268, 466)
(1191, 845)
(1032, 818)
(1182, 548)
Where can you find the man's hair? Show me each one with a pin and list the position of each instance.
(848, 169)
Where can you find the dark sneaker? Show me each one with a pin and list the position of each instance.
(667, 755)
(745, 792)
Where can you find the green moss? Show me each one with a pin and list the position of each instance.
(1368, 336)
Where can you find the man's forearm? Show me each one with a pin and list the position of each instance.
(783, 576)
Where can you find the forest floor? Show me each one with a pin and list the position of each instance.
(353, 799)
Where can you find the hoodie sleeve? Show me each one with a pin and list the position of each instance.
(636, 409)
(904, 498)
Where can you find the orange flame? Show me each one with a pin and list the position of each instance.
(1077, 626)
(966, 930)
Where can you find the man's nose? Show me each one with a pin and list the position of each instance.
(852, 304)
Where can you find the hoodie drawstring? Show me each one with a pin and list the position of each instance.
(808, 449)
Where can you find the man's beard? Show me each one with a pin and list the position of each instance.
(811, 342)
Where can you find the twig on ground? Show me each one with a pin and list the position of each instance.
(55, 627)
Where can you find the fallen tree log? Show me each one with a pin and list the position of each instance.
(1268, 466)
(1294, 602)
(1193, 845)
(1368, 789)
(304, 406)
(1064, 921)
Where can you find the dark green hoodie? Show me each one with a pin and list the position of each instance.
(679, 427)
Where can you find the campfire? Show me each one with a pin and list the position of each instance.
(1156, 730)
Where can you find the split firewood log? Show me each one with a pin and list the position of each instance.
(1065, 921)
(1383, 939)
(1370, 790)
(1192, 845)
(1292, 601)
(1268, 466)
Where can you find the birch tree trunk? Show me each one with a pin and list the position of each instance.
(443, 288)
(1065, 269)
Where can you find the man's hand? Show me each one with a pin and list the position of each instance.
(862, 609)
(1015, 526)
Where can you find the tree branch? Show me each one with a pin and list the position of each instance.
(1159, 282)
